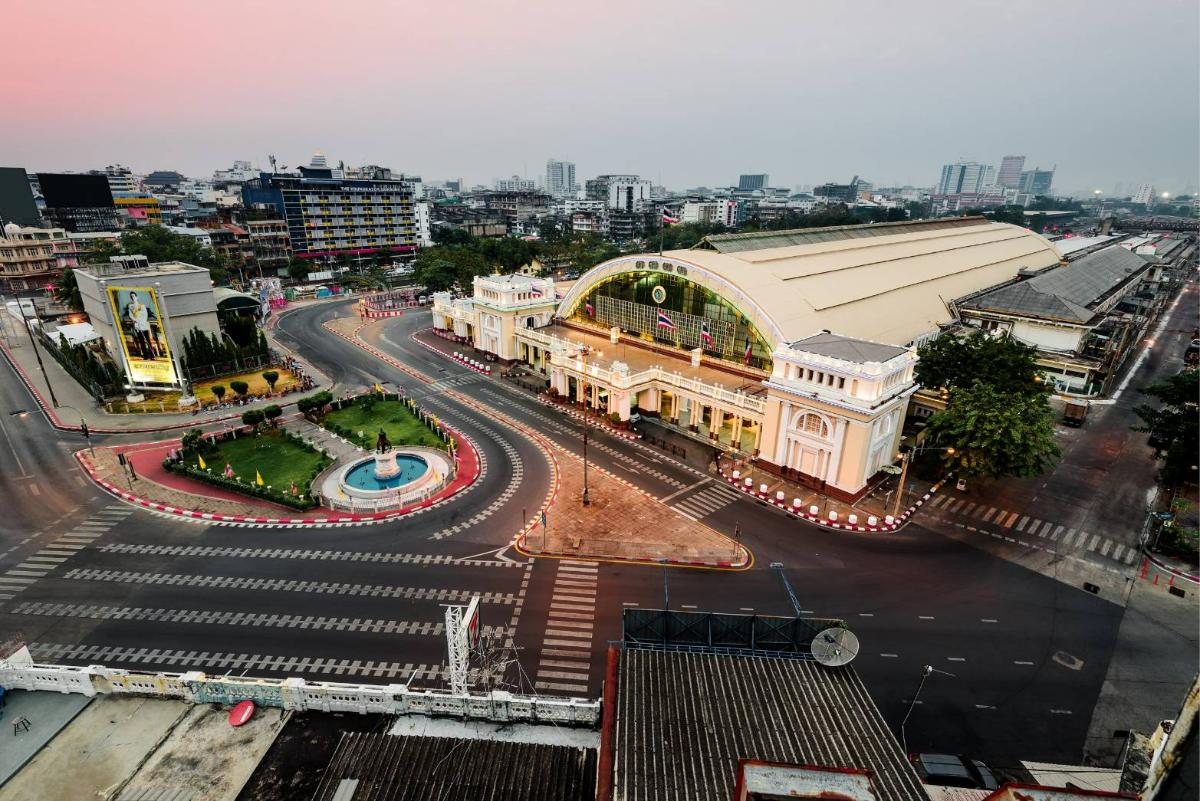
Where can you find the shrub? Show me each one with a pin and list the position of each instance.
(254, 417)
(240, 387)
(271, 413)
(271, 376)
(615, 418)
(194, 441)
(218, 391)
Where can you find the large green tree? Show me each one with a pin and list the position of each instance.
(435, 274)
(995, 433)
(66, 290)
(157, 243)
(1174, 425)
(1002, 362)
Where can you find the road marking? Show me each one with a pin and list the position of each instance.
(955, 659)
(970, 508)
(889, 656)
(984, 706)
(561, 687)
(677, 493)
(1011, 519)
(1021, 662)
(628, 603)
(687, 606)
(746, 609)
(1120, 549)
(866, 614)
(958, 504)
(991, 511)
(926, 617)
(1057, 531)
(1106, 547)
(568, 664)
(1022, 523)
(1094, 543)
(1070, 535)
(988, 620)
(1060, 711)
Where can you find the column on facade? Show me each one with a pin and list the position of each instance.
(673, 413)
(648, 400)
(735, 437)
(620, 403)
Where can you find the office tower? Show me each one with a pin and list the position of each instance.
(560, 177)
(1009, 175)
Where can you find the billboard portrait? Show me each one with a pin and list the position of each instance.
(138, 321)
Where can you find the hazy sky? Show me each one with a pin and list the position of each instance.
(687, 92)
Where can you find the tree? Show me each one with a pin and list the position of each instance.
(240, 387)
(1001, 362)
(270, 376)
(218, 391)
(298, 269)
(1173, 425)
(253, 417)
(66, 290)
(160, 244)
(272, 413)
(435, 274)
(99, 251)
(995, 433)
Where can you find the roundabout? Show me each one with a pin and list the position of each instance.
(388, 480)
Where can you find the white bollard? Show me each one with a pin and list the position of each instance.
(795, 503)
(737, 474)
(762, 489)
(872, 521)
(779, 496)
(832, 514)
(814, 511)
(889, 520)
(852, 520)
(749, 482)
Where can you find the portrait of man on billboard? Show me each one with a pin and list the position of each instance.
(138, 321)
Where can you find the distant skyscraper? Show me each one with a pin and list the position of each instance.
(1144, 194)
(1009, 175)
(750, 183)
(1036, 181)
(560, 177)
(965, 177)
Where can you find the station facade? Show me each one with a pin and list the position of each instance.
(795, 348)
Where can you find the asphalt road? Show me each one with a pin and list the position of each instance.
(1028, 654)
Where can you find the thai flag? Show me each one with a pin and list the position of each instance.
(668, 219)
(705, 336)
(747, 350)
(535, 292)
(665, 322)
(589, 308)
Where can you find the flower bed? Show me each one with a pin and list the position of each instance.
(399, 417)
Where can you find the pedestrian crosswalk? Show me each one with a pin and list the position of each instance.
(1019, 523)
(37, 565)
(706, 501)
(565, 664)
(450, 383)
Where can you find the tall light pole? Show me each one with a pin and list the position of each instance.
(584, 350)
(36, 352)
(907, 457)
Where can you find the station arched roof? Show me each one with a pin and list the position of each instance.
(889, 282)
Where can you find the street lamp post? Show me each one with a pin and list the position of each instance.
(906, 458)
(584, 350)
(36, 352)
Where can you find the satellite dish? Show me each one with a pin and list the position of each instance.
(835, 647)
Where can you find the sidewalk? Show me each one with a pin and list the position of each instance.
(75, 403)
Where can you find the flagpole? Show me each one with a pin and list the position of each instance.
(662, 227)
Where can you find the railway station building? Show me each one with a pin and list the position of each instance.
(794, 347)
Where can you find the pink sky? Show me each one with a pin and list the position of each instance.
(692, 92)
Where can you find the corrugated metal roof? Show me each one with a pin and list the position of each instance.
(1066, 293)
(395, 768)
(685, 719)
(761, 240)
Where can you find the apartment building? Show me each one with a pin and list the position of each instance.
(33, 258)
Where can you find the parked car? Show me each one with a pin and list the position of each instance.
(951, 770)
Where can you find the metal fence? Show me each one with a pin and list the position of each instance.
(96, 390)
(710, 631)
(203, 372)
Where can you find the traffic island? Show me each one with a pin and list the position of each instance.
(622, 523)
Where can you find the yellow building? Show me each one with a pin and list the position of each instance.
(797, 347)
(137, 209)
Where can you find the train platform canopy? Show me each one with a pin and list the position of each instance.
(689, 722)
(888, 282)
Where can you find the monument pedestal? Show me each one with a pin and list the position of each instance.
(385, 465)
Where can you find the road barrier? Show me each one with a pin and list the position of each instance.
(19, 672)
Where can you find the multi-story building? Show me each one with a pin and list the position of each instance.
(32, 258)
(1036, 181)
(164, 180)
(750, 183)
(269, 242)
(120, 179)
(517, 205)
(711, 212)
(137, 209)
(424, 213)
(1009, 174)
(78, 202)
(843, 193)
(515, 184)
(1144, 194)
(626, 193)
(965, 177)
(328, 217)
(560, 177)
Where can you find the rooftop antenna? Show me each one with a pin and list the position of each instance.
(462, 632)
(835, 646)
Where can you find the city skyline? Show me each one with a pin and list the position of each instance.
(822, 125)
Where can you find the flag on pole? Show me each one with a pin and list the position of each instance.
(664, 321)
(378, 388)
(294, 491)
(341, 495)
(747, 350)
(200, 459)
(228, 470)
(258, 478)
(589, 308)
(705, 336)
(668, 219)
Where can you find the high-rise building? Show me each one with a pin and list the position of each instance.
(78, 202)
(120, 179)
(621, 192)
(560, 177)
(328, 216)
(1009, 175)
(965, 177)
(16, 198)
(1036, 181)
(751, 183)
(1144, 194)
(516, 184)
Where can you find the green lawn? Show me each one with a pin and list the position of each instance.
(278, 459)
(401, 425)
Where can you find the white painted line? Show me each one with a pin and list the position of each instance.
(746, 609)
(1021, 662)
(926, 617)
(562, 663)
(1022, 523)
(1060, 711)
(984, 706)
(866, 614)
(988, 620)
(955, 659)
(889, 656)
(628, 603)
(687, 606)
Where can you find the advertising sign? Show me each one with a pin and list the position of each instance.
(138, 320)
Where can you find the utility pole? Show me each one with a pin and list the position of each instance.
(37, 353)
(900, 488)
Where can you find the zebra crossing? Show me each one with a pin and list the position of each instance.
(320, 555)
(36, 566)
(706, 501)
(565, 664)
(448, 383)
(1011, 523)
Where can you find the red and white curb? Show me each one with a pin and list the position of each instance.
(796, 509)
(378, 314)
(1174, 572)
